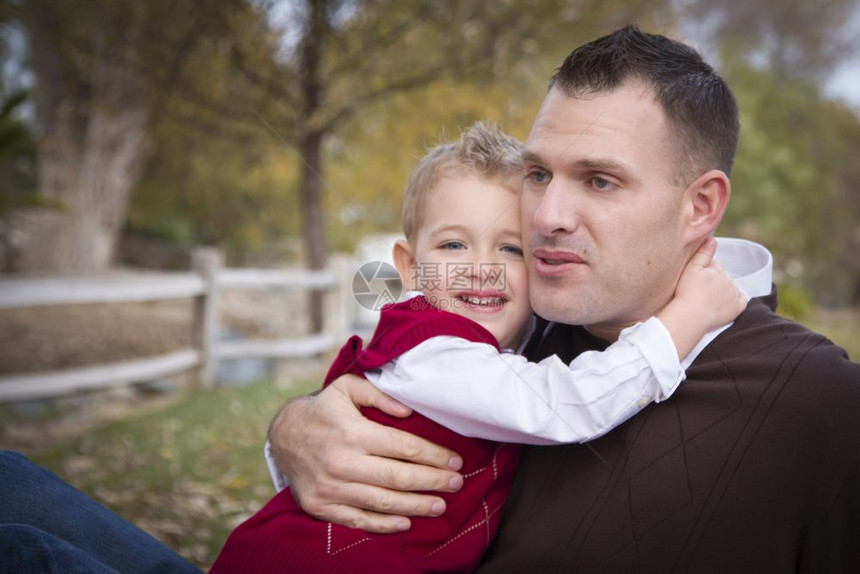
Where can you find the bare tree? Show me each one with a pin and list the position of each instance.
(103, 71)
(347, 56)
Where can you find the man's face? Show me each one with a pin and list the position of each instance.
(602, 210)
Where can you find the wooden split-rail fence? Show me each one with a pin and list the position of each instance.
(203, 284)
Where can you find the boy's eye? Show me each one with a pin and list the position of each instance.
(512, 249)
(453, 245)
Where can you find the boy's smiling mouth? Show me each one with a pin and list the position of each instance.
(483, 300)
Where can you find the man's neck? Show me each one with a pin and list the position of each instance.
(608, 333)
(750, 264)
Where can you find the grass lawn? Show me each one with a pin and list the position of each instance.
(190, 471)
(187, 473)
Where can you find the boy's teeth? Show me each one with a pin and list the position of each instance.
(484, 301)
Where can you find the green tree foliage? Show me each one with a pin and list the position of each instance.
(494, 60)
(789, 181)
(371, 159)
(794, 188)
(789, 38)
(17, 146)
(217, 175)
(213, 191)
(17, 172)
(17, 155)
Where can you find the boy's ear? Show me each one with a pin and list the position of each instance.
(707, 198)
(404, 259)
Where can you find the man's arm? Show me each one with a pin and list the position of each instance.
(346, 469)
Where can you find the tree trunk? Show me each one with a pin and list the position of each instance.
(310, 148)
(45, 238)
(90, 157)
(89, 181)
(313, 232)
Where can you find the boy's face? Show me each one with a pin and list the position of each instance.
(467, 255)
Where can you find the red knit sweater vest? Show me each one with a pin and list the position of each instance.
(282, 538)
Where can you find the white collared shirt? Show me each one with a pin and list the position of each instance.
(476, 391)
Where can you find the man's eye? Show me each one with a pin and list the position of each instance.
(601, 184)
(452, 245)
(536, 175)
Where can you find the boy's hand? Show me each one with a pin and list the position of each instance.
(705, 299)
(346, 469)
(707, 291)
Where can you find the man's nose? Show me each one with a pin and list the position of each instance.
(556, 210)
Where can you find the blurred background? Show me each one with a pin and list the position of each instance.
(282, 132)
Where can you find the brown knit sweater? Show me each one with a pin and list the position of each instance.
(752, 466)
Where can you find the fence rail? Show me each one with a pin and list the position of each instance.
(115, 288)
(58, 383)
(203, 286)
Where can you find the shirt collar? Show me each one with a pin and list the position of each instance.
(748, 263)
(751, 267)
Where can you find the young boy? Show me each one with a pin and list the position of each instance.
(463, 253)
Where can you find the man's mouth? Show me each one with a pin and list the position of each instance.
(557, 257)
(555, 261)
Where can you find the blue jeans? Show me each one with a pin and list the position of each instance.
(48, 526)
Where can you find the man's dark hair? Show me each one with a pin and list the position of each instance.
(699, 106)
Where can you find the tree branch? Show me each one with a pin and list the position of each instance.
(400, 86)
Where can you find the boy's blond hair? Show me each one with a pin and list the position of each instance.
(483, 150)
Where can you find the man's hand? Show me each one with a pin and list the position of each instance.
(346, 469)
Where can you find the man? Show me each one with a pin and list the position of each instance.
(753, 466)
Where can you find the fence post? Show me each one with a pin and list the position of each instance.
(339, 323)
(206, 262)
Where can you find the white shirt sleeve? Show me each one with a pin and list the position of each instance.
(476, 391)
(278, 479)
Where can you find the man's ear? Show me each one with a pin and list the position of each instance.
(404, 259)
(706, 201)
